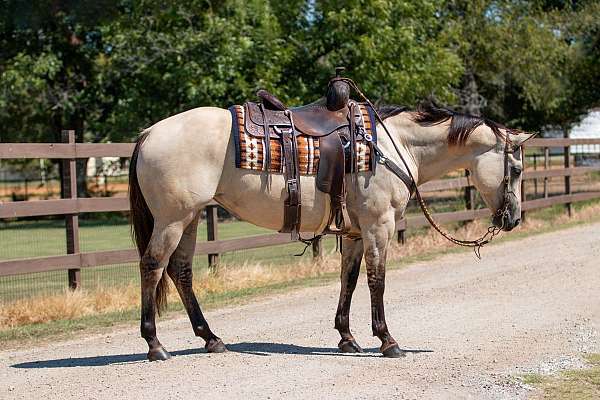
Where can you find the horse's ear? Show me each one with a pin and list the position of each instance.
(521, 137)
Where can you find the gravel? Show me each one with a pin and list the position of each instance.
(470, 327)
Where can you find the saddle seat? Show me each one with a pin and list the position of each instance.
(313, 119)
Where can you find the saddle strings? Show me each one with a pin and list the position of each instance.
(476, 244)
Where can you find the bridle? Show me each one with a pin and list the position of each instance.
(503, 213)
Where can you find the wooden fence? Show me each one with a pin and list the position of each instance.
(71, 206)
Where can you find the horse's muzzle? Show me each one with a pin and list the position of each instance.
(512, 225)
(505, 223)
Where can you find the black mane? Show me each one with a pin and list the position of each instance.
(428, 113)
(389, 110)
(461, 125)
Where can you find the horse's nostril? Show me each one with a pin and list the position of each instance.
(518, 221)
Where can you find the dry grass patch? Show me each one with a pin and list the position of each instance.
(581, 384)
(228, 278)
(236, 278)
(68, 305)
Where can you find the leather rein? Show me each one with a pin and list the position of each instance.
(503, 212)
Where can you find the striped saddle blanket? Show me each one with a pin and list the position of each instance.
(249, 149)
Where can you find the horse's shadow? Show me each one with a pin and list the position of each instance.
(253, 348)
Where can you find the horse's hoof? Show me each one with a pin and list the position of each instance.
(159, 354)
(215, 346)
(393, 351)
(349, 346)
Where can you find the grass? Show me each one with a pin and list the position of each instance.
(44, 238)
(66, 328)
(65, 313)
(582, 384)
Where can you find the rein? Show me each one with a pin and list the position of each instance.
(502, 212)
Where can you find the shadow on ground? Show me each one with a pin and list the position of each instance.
(254, 348)
(265, 349)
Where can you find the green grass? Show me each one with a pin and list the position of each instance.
(572, 384)
(46, 238)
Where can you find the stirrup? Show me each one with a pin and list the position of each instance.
(339, 226)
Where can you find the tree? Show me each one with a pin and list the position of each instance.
(111, 68)
(164, 59)
(46, 66)
(396, 50)
(523, 59)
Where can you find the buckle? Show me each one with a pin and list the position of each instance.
(292, 183)
(368, 137)
(282, 130)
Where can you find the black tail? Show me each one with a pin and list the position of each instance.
(142, 221)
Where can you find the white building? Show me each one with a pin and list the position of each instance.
(589, 127)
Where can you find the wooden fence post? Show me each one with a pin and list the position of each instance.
(69, 191)
(317, 247)
(535, 180)
(402, 237)
(523, 187)
(212, 233)
(546, 167)
(469, 193)
(567, 158)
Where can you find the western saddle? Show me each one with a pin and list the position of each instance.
(335, 122)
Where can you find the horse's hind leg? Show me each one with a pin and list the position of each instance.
(352, 253)
(180, 271)
(163, 242)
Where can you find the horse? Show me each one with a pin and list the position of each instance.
(185, 161)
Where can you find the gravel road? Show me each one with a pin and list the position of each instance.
(470, 327)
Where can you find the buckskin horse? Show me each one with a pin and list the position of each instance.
(183, 162)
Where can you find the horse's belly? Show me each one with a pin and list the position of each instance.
(258, 198)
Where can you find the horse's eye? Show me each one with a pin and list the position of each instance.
(517, 171)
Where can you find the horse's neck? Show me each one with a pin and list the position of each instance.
(433, 156)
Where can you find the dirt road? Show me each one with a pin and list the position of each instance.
(470, 327)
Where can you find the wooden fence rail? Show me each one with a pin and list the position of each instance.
(70, 206)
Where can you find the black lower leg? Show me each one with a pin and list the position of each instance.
(342, 317)
(376, 278)
(150, 279)
(350, 270)
(389, 346)
(181, 274)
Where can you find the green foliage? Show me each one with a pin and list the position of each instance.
(395, 50)
(167, 59)
(509, 58)
(111, 68)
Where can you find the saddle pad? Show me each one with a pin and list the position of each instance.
(249, 150)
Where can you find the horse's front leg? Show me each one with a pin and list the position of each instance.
(352, 253)
(376, 241)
